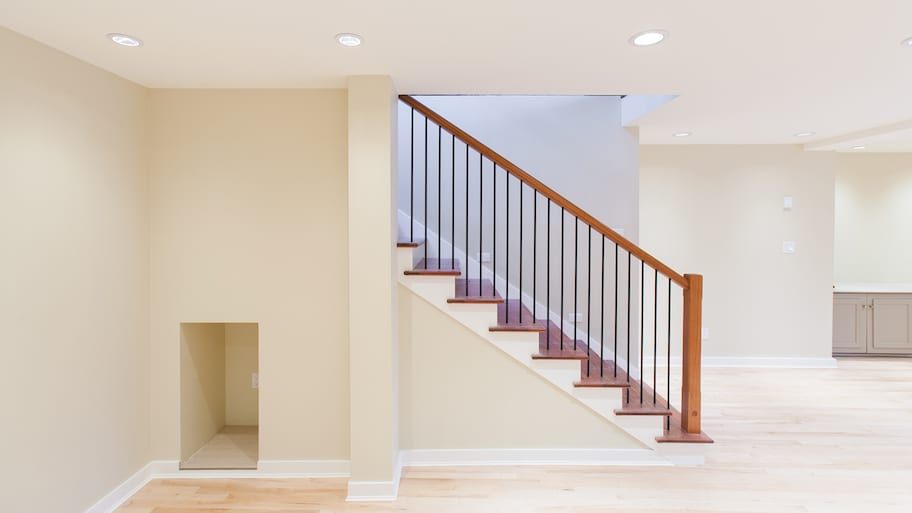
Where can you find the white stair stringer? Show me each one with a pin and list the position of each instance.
(560, 373)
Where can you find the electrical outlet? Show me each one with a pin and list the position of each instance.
(788, 247)
(254, 380)
(484, 257)
(575, 317)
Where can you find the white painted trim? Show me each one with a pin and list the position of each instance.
(785, 362)
(488, 457)
(170, 469)
(116, 497)
(376, 491)
(305, 468)
(265, 469)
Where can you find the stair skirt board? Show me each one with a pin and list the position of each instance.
(560, 373)
(470, 263)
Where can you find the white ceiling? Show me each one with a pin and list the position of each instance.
(744, 71)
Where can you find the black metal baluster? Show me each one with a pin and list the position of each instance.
(453, 203)
(668, 360)
(494, 240)
(520, 250)
(629, 286)
(562, 282)
(548, 282)
(480, 216)
(467, 225)
(426, 242)
(617, 291)
(412, 183)
(655, 335)
(534, 255)
(439, 210)
(588, 298)
(602, 322)
(575, 278)
(642, 324)
(507, 257)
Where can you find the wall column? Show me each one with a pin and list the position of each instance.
(373, 338)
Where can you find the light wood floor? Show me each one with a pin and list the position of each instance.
(809, 441)
(234, 447)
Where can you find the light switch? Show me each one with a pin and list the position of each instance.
(788, 247)
(254, 380)
(787, 203)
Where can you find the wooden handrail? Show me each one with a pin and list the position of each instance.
(546, 191)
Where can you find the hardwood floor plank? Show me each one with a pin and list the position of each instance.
(787, 440)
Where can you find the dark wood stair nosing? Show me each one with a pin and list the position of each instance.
(409, 243)
(525, 328)
(479, 300)
(640, 410)
(560, 356)
(433, 272)
(601, 384)
(684, 438)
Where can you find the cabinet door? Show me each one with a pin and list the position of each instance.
(850, 323)
(892, 324)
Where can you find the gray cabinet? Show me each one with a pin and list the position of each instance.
(874, 323)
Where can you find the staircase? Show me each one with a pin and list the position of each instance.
(551, 286)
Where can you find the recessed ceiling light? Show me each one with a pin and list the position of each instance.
(348, 39)
(682, 134)
(648, 38)
(858, 147)
(125, 40)
(805, 134)
(907, 42)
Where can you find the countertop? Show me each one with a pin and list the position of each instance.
(874, 288)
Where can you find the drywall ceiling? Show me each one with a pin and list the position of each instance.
(744, 71)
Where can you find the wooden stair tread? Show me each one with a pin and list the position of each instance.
(436, 267)
(409, 243)
(508, 318)
(601, 373)
(479, 291)
(633, 405)
(549, 347)
(680, 437)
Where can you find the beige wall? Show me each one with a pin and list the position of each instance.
(372, 279)
(73, 280)
(241, 399)
(460, 392)
(249, 224)
(873, 218)
(202, 384)
(718, 211)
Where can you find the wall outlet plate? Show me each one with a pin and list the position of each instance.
(254, 380)
(789, 247)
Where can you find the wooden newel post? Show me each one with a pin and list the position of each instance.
(693, 331)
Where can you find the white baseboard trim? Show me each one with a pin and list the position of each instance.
(265, 469)
(770, 362)
(376, 491)
(306, 468)
(123, 491)
(170, 469)
(489, 457)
